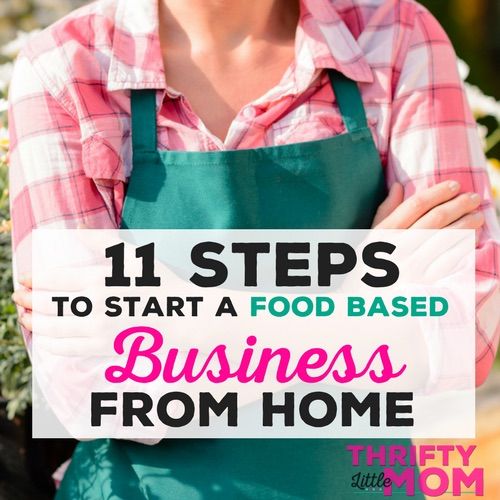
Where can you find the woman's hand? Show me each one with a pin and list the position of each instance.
(23, 298)
(440, 206)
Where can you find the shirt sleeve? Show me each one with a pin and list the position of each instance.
(433, 138)
(47, 181)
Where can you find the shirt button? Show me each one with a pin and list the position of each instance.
(249, 112)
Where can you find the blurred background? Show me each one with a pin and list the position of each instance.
(25, 464)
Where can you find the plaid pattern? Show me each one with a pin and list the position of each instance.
(69, 115)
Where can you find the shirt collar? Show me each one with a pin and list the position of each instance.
(328, 42)
(323, 41)
(136, 60)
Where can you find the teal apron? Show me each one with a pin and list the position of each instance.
(323, 184)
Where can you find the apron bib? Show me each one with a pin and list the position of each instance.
(323, 184)
(334, 183)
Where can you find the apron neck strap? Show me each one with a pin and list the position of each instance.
(349, 101)
(143, 109)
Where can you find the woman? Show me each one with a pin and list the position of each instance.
(337, 99)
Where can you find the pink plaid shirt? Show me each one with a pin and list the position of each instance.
(69, 115)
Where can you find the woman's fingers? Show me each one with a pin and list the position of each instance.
(70, 279)
(71, 347)
(26, 320)
(393, 200)
(25, 280)
(449, 212)
(23, 298)
(412, 209)
(473, 220)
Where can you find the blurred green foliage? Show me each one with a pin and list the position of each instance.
(15, 368)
